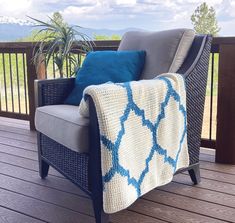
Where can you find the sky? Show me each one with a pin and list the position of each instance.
(151, 15)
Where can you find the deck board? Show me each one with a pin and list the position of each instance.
(24, 197)
(11, 216)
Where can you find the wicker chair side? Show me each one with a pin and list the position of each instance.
(196, 82)
(52, 92)
(73, 165)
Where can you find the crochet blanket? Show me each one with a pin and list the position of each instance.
(143, 134)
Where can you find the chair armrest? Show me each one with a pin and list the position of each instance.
(196, 81)
(53, 91)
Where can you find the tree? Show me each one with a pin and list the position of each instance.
(58, 18)
(204, 20)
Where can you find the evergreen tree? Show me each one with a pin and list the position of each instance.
(204, 20)
(58, 18)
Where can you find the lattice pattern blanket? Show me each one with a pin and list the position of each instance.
(143, 136)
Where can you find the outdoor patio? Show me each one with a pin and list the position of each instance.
(27, 198)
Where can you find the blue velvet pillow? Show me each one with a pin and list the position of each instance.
(103, 66)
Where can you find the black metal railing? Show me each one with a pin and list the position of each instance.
(14, 82)
(14, 95)
(17, 74)
(210, 111)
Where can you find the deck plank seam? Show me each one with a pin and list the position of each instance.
(17, 147)
(47, 202)
(19, 212)
(75, 194)
(197, 213)
(211, 202)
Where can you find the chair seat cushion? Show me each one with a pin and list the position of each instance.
(65, 125)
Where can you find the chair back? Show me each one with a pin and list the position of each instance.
(165, 50)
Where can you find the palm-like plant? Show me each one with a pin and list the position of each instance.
(60, 42)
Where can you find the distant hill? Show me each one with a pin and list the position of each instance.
(11, 32)
(107, 32)
(14, 31)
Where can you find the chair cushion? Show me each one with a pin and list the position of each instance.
(65, 125)
(103, 66)
(165, 50)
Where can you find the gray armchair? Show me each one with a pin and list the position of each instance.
(70, 143)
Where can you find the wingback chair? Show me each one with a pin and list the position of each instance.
(71, 143)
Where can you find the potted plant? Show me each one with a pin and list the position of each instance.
(60, 42)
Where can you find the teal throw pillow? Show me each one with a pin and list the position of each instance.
(102, 66)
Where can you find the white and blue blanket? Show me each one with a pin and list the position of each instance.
(143, 134)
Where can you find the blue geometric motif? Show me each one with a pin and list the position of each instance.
(113, 147)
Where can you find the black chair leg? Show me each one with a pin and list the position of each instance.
(94, 168)
(43, 168)
(100, 216)
(194, 173)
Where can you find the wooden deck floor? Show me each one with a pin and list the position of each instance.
(24, 197)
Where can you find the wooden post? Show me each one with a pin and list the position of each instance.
(225, 136)
(41, 68)
(31, 75)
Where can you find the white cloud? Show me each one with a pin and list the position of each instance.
(116, 14)
(119, 13)
(125, 2)
(14, 6)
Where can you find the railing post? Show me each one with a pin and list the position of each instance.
(225, 137)
(41, 68)
(31, 76)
